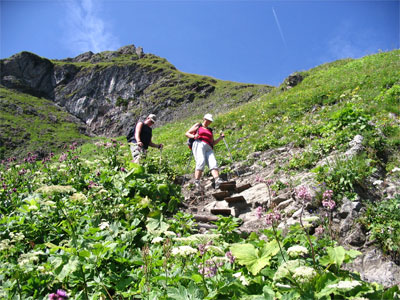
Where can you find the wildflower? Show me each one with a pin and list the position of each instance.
(92, 184)
(269, 182)
(272, 217)
(345, 285)
(157, 240)
(169, 233)
(62, 294)
(53, 296)
(304, 274)
(259, 212)
(303, 193)
(104, 225)
(297, 250)
(327, 195)
(183, 251)
(55, 189)
(63, 157)
(319, 230)
(241, 278)
(230, 256)
(260, 179)
(311, 219)
(330, 204)
(208, 269)
(78, 197)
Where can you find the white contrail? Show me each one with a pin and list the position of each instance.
(279, 26)
(85, 30)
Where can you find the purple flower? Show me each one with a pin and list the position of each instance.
(92, 184)
(303, 193)
(259, 212)
(319, 230)
(260, 179)
(269, 182)
(330, 204)
(63, 157)
(209, 269)
(327, 195)
(53, 296)
(230, 256)
(62, 293)
(272, 217)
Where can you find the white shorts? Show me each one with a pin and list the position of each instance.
(137, 152)
(204, 154)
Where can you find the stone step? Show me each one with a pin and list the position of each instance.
(205, 218)
(242, 188)
(235, 199)
(221, 195)
(221, 211)
(228, 186)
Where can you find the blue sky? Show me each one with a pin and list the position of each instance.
(245, 41)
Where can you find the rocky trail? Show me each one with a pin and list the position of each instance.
(250, 187)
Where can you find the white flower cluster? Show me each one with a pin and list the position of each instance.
(345, 285)
(169, 233)
(78, 197)
(311, 219)
(17, 236)
(241, 277)
(103, 225)
(296, 251)
(157, 240)
(5, 244)
(183, 251)
(304, 274)
(30, 257)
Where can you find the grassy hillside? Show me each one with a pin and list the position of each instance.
(36, 125)
(89, 224)
(323, 113)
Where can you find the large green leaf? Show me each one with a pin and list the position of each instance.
(338, 255)
(251, 257)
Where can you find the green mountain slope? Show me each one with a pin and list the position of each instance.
(108, 91)
(36, 125)
(332, 104)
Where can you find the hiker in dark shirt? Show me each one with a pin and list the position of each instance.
(203, 146)
(141, 141)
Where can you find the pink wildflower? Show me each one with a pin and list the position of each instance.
(230, 256)
(330, 204)
(259, 212)
(303, 193)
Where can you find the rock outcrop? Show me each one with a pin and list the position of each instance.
(108, 91)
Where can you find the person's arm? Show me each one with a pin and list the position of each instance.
(159, 146)
(221, 136)
(192, 132)
(138, 130)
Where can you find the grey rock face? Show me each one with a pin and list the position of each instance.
(28, 73)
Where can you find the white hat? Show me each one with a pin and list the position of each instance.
(152, 117)
(208, 117)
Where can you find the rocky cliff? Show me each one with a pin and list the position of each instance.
(109, 90)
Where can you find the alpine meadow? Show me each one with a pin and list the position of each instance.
(315, 163)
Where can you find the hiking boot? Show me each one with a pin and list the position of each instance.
(218, 182)
(198, 185)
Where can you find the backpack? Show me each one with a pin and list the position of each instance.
(131, 134)
(190, 141)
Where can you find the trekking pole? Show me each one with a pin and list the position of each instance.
(159, 168)
(230, 154)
